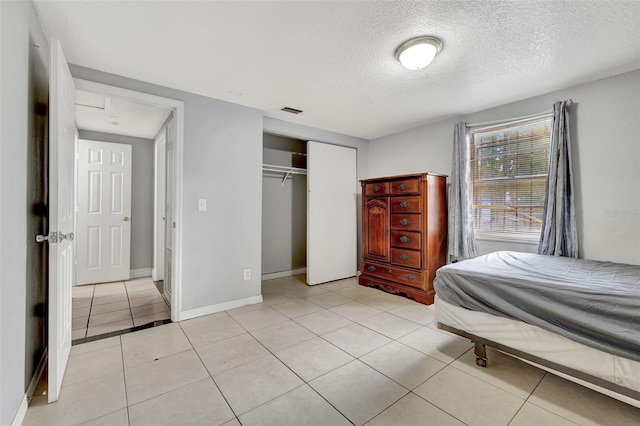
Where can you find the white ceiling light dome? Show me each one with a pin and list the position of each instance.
(417, 53)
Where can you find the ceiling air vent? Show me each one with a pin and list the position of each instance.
(291, 110)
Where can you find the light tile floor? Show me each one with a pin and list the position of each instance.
(333, 354)
(103, 308)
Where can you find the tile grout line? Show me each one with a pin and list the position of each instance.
(93, 293)
(124, 376)
(209, 373)
(117, 332)
(129, 303)
(409, 391)
(439, 408)
(364, 326)
(304, 382)
(546, 373)
(340, 349)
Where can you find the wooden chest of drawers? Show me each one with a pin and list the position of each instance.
(404, 233)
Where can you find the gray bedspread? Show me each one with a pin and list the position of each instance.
(592, 302)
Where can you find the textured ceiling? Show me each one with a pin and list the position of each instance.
(335, 60)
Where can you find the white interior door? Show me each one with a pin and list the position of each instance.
(61, 218)
(331, 213)
(104, 212)
(157, 273)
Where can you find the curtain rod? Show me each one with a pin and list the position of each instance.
(514, 120)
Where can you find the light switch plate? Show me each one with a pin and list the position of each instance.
(202, 204)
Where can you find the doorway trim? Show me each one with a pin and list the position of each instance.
(159, 204)
(178, 108)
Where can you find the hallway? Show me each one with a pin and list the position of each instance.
(105, 308)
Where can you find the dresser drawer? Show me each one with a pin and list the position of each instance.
(407, 186)
(376, 188)
(393, 273)
(406, 204)
(409, 222)
(408, 258)
(406, 240)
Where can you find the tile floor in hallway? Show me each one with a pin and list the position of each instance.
(103, 308)
(333, 354)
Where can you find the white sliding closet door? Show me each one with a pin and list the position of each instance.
(331, 213)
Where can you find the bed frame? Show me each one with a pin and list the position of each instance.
(577, 376)
(599, 384)
(480, 291)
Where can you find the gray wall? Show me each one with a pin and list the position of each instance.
(222, 163)
(19, 30)
(142, 196)
(284, 207)
(606, 154)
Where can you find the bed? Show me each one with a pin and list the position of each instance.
(579, 319)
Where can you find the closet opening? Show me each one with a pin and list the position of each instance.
(284, 206)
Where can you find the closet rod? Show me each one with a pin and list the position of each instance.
(288, 171)
(284, 169)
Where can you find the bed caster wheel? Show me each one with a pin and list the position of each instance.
(482, 362)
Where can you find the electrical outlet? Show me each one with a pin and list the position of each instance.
(247, 274)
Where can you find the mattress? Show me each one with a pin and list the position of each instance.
(593, 303)
(546, 345)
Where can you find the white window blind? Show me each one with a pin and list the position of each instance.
(509, 170)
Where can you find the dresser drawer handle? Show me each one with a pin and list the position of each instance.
(376, 188)
(411, 277)
(371, 268)
(404, 257)
(404, 204)
(402, 187)
(404, 239)
(404, 222)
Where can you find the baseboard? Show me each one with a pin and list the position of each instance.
(167, 298)
(22, 412)
(290, 273)
(139, 273)
(206, 310)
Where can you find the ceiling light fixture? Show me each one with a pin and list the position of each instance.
(417, 53)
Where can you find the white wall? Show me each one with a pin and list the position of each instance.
(19, 31)
(606, 154)
(142, 196)
(222, 163)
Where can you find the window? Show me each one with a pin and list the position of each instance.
(509, 171)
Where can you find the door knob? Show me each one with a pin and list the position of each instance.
(126, 218)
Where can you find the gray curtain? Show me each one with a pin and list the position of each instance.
(559, 236)
(461, 236)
